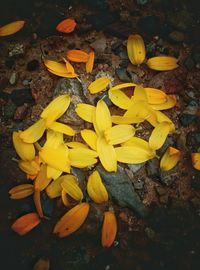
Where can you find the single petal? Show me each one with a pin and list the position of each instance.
(109, 229)
(29, 167)
(137, 142)
(107, 155)
(119, 98)
(161, 117)
(60, 69)
(155, 96)
(85, 111)
(162, 63)
(82, 157)
(96, 188)
(62, 128)
(76, 145)
(133, 154)
(25, 223)
(11, 28)
(196, 160)
(65, 74)
(170, 158)
(66, 26)
(170, 103)
(72, 220)
(54, 189)
(21, 191)
(138, 109)
(42, 181)
(54, 139)
(37, 201)
(72, 189)
(139, 94)
(122, 120)
(55, 109)
(159, 135)
(69, 66)
(64, 198)
(52, 173)
(90, 137)
(90, 62)
(77, 56)
(34, 132)
(122, 86)
(99, 85)
(136, 49)
(26, 151)
(103, 117)
(119, 134)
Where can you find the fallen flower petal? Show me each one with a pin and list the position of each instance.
(170, 158)
(25, 223)
(69, 66)
(155, 96)
(109, 229)
(196, 160)
(119, 134)
(122, 85)
(66, 26)
(34, 132)
(159, 135)
(122, 120)
(29, 167)
(42, 181)
(62, 128)
(119, 98)
(85, 111)
(162, 63)
(53, 173)
(72, 189)
(136, 49)
(77, 56)
(21, 191)
(76, 145)
(63, 74)
(54, 189)
(60, 69)
(82, 157)
(11, 28)
(37, 201)
(90, 137)
(102, 117)
(99, 85)
(72, 220)
(139, 94)
(90, 62)
(26, 151)
(96, 188)
(168, 104)
(161, 117)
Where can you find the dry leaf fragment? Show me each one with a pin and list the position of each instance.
(66, 26)
(162, 63)
(11, 28)
(78, 56)
(21, 191)
(99, 85)
(136, 49)
(109, 229)
(170, 158)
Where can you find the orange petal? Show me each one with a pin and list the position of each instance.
(66, 26)
(196, 160)
(90, 62)
(109, 229)
(77, 56)
(25, 223)
(42, 181)
(37, 201)
(162, 63)
(21, 191)
(11, 28)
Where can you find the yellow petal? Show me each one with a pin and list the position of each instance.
(159, 135)
(196, 160)
(26, 151)
(29, 167)
(136, 49)
(77, 56)
(109, 229)
(64, 198)
(54, 189)
(85, 111)
(107, 155)
(120, 99)
(96, 188)
(133, 154)
(55, 109)
(162, 63)
(37, 201)
(139, 94)
(90, 62)
(42, 181)
(76, 145)
(119, 134)
(60, 69)
(82, 157)
(62, 128)
(170, 103)
(122, 85)
(161, 117)
(99, 85)
(155, 96)
(72, 189)
(21, 191)
(54, 139)
(69, 67)
(63, 74)
(170, 158)
(11, 28)
(122, 120)
(52, 173)
(137, 142)
(138, 109)
(72, 220)
(103, 117)
(90, 137)
(34, 132)
(57, 159)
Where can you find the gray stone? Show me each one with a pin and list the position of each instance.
(13, 78)
(135, 167)
(189, 63)
(152, 168)
(99, 45)
(15, 49)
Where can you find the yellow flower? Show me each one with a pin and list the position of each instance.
(136, 49)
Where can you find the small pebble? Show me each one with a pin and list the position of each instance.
(13, 78)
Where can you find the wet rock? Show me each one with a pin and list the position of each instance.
(8, 110)
(3, 82)
(152, 168)
(4, 95)
(189, 63)
(32, 65)
(149, 25)
(193, 140)
(21, 96)
(138, 184)
(121, 190)
(135, 167)
(177, 36)
(26, 82)
(21, 112)
(13, 78)
(122, 74)
(123, 55)
(105, 97)
(99, 45)
(181, 20)
(16, 49)
(47, 205)
(189, 115)
(168, 177)
(80, 175)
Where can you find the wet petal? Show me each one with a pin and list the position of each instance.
(26, 151)
(99, 85)
(107, 155)
(120, 99)
(77, 56)
(34, 132)
(170, 103)
(159, 135)
(90, 62)
(162, 63)
(155, 96)
(82, 157)
(21, 191)
(37, 201)
(72, 220)
(66, 26)
(122, 120)
(136, 49)
(196, 160)
(90, 137)
(54, 139)
(62, 128)
(103, 117)
(11, 28)
(109, 229)
(25, 223)
(85, 111)
(54, 189)
(96, 188)
(42, 181)
(170, 158)
(119, 134)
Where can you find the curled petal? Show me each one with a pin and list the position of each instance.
(159, 135)
(85, 111)
(162, 63)
(96, 188)
(59, 69)
(66, 26)
(72, 220)
(21, 191)
(168, 104)
(37, 201)
(119, 134)
(29, 167)
(82, 157)
(170, 158)
(109, 229)
(54, 189)
(90, 62)
(136, 49)
(34, 132)
(69, 66)
(122, 86)
(155, 96)
(103, 117)
(119, 98)
(25, 223)
(72, 189)
(11, 28)
(65, 74)
(42, 181)
(196, 160)
(90, 137)
(77, 56)
(62, 128)
(26, 151)
(99, 85)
